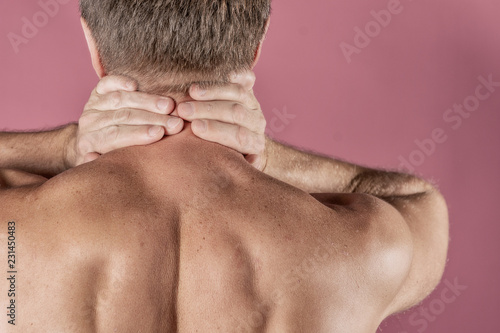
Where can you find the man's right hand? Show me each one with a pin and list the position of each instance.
(118, 116)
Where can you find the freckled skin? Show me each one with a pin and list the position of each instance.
(183, 235)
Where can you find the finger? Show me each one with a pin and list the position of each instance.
(255, 160)
(233, 136)
(116, 137)
(246, 79)
(224, 111)
(96, 120)
(229, 92)
(135, 100)
(90, 157)
(114, 83)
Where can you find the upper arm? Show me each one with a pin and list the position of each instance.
(426, 217)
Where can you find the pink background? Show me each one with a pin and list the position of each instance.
(370, 111)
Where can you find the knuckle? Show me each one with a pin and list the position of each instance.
(85, 120)
(242, 93)
(93, 99)
(262, 123)
(100, 87)
(123, 116)
(201, 108)
(115, 99)
(107, 137)
(239, 113)
(260, 143)
(209, 106)
(243, 137)
(110, 133)
(84, 144)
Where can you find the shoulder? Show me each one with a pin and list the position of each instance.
(369, 220)
(379, 244)
(402, 244)
(388, 242)
(16, 189)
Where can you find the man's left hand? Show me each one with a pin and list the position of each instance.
(231, 116)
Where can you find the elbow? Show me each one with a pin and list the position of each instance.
(439, 238)
(425, 218)
(430, 241)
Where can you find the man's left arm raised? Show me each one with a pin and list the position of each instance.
(118, 116)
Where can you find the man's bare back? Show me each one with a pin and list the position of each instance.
(184, 235)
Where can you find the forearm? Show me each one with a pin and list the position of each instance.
(42, 153)
(319, 174)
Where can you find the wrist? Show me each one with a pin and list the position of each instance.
(68, 150)
(266, 155)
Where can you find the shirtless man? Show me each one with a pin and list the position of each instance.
(185, 235)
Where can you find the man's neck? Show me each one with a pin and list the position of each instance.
(181, 148)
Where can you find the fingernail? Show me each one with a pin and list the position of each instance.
(200, 126)
(186, 109)
(173, 122)
(129, 85)
(235, 76)
(201, 91)
(153, 131)
(163, 104)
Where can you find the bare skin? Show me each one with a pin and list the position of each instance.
(118, 116)
(185, 235)
(110, 247)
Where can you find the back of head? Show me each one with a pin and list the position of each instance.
(168, 44)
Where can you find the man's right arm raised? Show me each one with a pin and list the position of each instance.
(409, 198)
